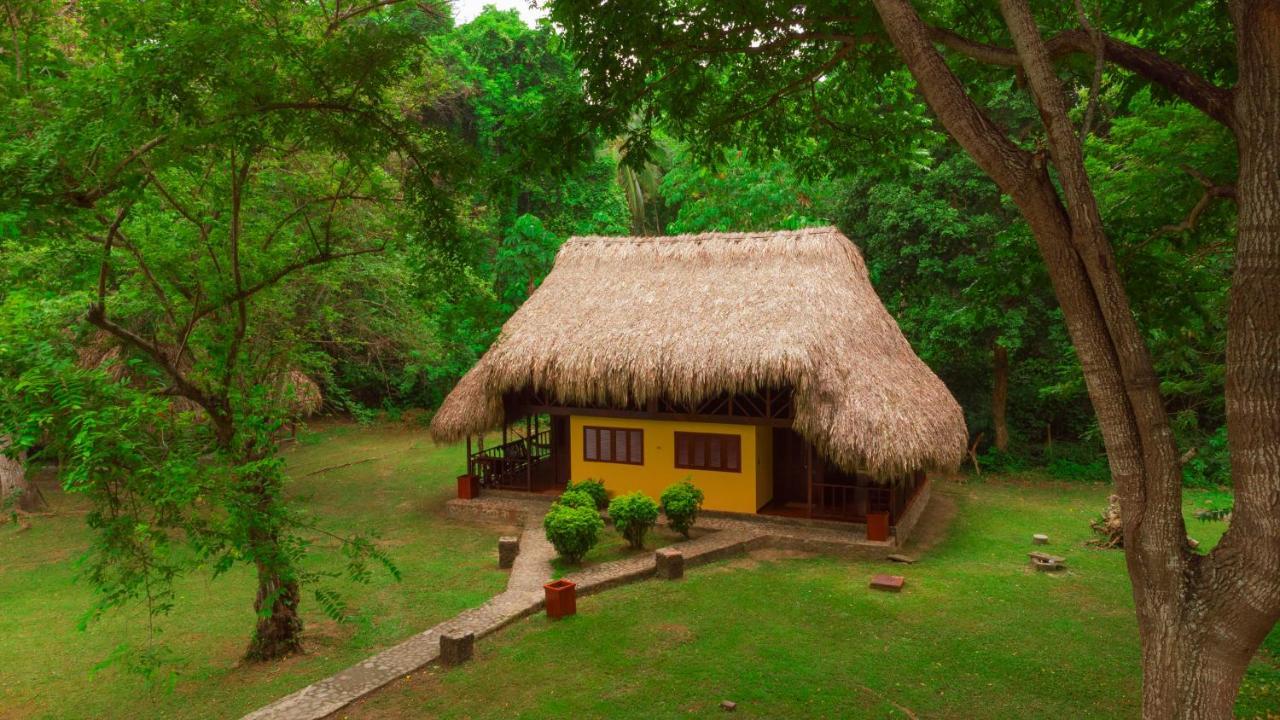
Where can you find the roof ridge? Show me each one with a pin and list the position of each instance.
(698, 237)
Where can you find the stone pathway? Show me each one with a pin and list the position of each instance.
(522, 598)
(524, 595)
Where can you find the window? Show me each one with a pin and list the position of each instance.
(709, 451)
(616, 445)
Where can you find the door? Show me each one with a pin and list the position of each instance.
(560, 448)
(790, 476)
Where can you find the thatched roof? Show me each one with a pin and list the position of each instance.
(623, 319)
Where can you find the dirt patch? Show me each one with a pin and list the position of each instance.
(672, 635)
(755, 558)
(776, 554)
(935, 523)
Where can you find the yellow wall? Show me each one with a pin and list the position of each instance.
(729, 491)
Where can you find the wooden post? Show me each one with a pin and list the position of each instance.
(808, 468)
(469, 469)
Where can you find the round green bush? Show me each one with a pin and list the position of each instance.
(594, 488)
(633, 515)
(573, 531)
(576, 499)
(681, 503)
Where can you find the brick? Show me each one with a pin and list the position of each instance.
(890, 583)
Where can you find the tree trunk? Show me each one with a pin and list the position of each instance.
(1201, 619)
(1000, 396)
(278, 632)
(16, 490)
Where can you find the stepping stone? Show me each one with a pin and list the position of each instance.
(904, 559)
(1039, 539)
(890, 583)
(1046, 562)
(728, 705)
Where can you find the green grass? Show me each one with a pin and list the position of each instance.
(976, 634)
(47, 665)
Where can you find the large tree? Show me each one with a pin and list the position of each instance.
(827, 71)
(200, 159)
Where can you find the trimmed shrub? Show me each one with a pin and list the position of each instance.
(594, 488)
(576, 499)
(681, 503)
(573, 531)
(633, 515)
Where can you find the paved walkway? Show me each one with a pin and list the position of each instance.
(524, 594)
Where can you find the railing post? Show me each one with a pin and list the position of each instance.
(469, 470)
(808, 464)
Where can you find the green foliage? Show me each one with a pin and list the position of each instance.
(742, 193)
(576, 498)
(769, 117)
(681, 503)
(634, 515)
(522, 260)
(573, 529)
(593, 487)
(215, 161)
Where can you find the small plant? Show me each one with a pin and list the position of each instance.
(576, 499)
(634, 515)
(594, 488)
(681, 503)
(573, 530)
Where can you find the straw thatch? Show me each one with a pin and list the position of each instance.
(300, 393)
(622, 320)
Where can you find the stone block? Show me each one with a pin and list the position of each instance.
(456, 648)
(1040, 539)
(508, 549)
(670, 563)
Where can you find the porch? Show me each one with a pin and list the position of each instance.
(805, 485)
(528, 458)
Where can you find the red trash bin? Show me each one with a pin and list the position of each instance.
(878, 526)
(562, 599)
(468, 487)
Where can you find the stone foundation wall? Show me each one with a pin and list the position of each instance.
(907, 522)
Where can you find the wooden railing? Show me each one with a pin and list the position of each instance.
(849, 502)
(514, 465)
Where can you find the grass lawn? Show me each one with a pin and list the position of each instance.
(612, 546)
(47, 665)
(975, 634)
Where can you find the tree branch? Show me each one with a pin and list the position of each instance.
(806, 79)
(97, 316)
(1212, 191)
(1202, 94)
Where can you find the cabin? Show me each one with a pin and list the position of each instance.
(762, 366)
